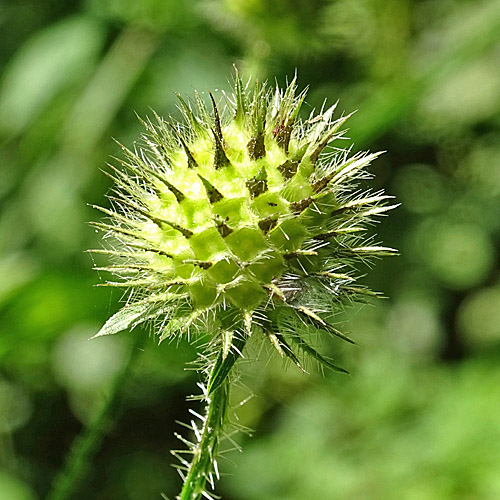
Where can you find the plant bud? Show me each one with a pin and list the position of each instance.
(241, 221)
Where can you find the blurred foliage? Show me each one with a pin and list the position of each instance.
(419, 418)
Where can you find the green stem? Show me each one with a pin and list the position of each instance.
(86, 445)
(203, 464)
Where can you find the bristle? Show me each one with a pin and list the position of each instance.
(289, 168)
(220, 158)
(194, 122)
(217, 125)
(298, 207)
(222, 227)
(179, 196)
(258, 184)
(240, 100)
(256, 146)
(185, 232)
(190, 158)
(213, 194)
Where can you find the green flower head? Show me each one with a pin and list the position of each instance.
(242, 220)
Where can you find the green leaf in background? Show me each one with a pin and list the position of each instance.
(49, 61)
(12, 488)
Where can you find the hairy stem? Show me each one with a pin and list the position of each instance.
(88, 442)
(203, 465)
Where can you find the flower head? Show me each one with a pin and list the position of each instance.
(241, 221)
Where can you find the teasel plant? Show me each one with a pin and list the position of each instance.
(245, 221)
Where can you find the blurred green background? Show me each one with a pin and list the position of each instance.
(419, 419)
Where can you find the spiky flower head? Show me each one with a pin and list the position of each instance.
(241, 221)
